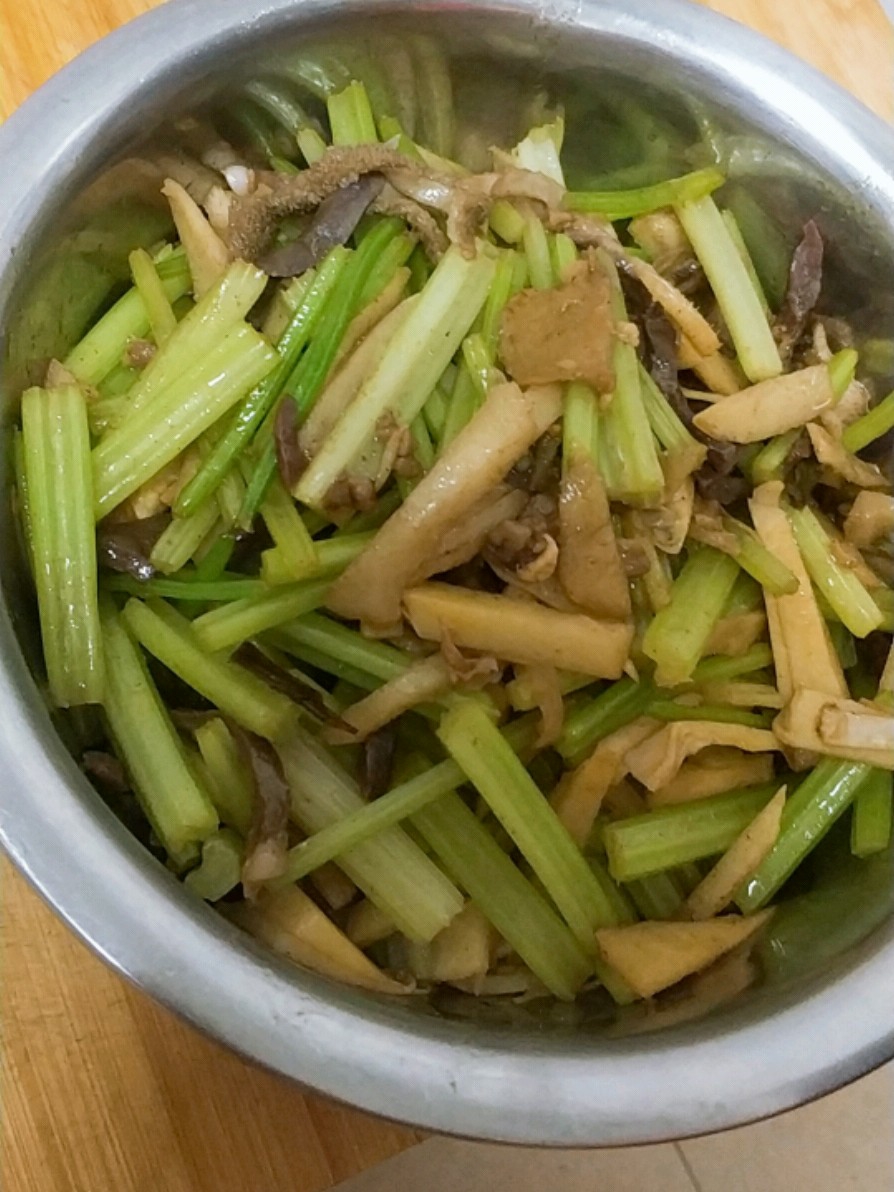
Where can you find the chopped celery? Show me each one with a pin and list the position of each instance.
(625, 204)
(260, 401)
(732, 286)
(657, 895)
(478, 363)
(823, 796)
(735, 232)
(842, 368)
(220, 869)
(333, 556)
(873, 815)
(464, 401)
(596, 718)
(877, 422)
(474, 741)
(236, 691)
(670, 836)
(393, 257)
(350, 116)
(225, 627)
(536, 246)
(507, 221)
(768, 463)
(391, 870)
(668, 709)
(187, 588)
(337, 641)
(311, 144)
(59, 487)
(129, 455)
(851, 602)
(677, 637)
(759, 562)
(414, 360)
(562, 254)
(159, 311)
(720, 669)
(289, 532)
(179, 810)
(229, 780)
(181, 539)
(666, 425)
(94, 357)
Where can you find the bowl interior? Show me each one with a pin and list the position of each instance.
(507, 64)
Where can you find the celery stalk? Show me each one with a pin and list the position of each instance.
(720, 669)
(735, 232)
(289, 532)
(594, 719)
(342, 644)
(657, 895)
(732, 286)
(350, 116)
(536, 246)
(464, 401)
(236, 691)
(669, 710)
(677, 637)
(760, 563)
(877, 422)
(850, 601)
(391, 870)
(768, 463)
(562, 254)
(181, 539)
(154, 435)
(160, 313)
(625, 204)
(186, 589)
(59, 518)
(229, 780)
(670, 836)
(220, 869)
(179, 810)
(225, 627)
(333, 556)
(670, 432)
(417, 355)
(873, 815)
(475, 742)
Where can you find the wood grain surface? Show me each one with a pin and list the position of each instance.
(103, 1091)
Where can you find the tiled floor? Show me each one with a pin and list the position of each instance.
(844, 1143)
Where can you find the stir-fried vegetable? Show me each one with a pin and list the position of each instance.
(510, 563)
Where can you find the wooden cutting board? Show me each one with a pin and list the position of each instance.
(102, 1090)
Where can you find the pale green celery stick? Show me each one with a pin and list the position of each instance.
(507, 221)
(845, 646)
(760, 563)
(237, 692)
(668, 709)
(656, 896)
(59, 501)
(416, 357)
(520, 914)
(390, 128)
(115, 385)
(823, 796)
(423, 447)
(621, 900)
(489, 762)
(748, 326)
(435, 412)
(286, 300)
(350, 116)
(536, 246)
(226, 627)
(159, 311)
(289, 532)
(768, 245)
(181, 539)
(562, 253)
(842, 369)
(319, 660)
(346, 645)
(500, 292)
(186, 587)
(333, 556)
(214, 563)
(390, 868)
(523, 699)
(746, 597)
(229, 779)
(578, 421)
(842, 589)
(884, 598)
(105, 413)
(220, 869)
(132, 453)
(221, 310)
(393, 257)
(282, 165)
(178, 809)
(94, 357)
(671, 836)
(462, 405)
(229, 499)
(877, 422)
(666, 426)
(279, 104)
(434, 95)
(735, 232)
(311, 144)
(260, 401)
(639, 468)
(720, 669)
(596, 718)
(873, 814)
(768, 463)
(478, 363)
(678, 635)
(625, 204)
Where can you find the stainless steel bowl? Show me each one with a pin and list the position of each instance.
(808, 142)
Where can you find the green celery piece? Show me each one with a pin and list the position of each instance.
(884, 598)
(93, 358)
(464, 401)
(393, 257)
(478, 363)
(333, 556)
(679, 633)
(622, 900)
(735, 232)
(228, 626)
(562, 254)
(850, 601)
(873, 815)
(520, 914)
(877, 422)
(500, 292)
(768, 463)
(311, 144)
(475, 742)
(507, 221)
(741, 308)
(597, 718)
(409, 370)
(180, 540)
(159, 311)
(350, 116)
(390, 868)
(760, 563)
(669, 710)
(671, 836)
(643, 200)
(842, 368)
(313, 656)
(178, 808)
(720, 669)
(221, 310)
(230, 783)
(536, 246)
(231, 688)
(220, 869)
(656, 896)
(768, 247)
(823, 796)
(289, 532)
(378, 659)
(666, 425)
(58, 506)
(186, 589)
(260, 401)
(155, 434)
